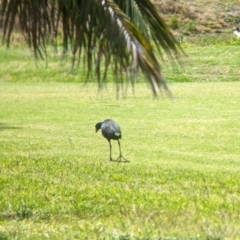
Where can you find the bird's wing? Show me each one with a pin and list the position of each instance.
(115, 129)
(111, 128)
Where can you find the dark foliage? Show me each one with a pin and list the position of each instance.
(103, 31)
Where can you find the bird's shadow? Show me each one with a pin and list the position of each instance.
(4, 126)
(120, 160)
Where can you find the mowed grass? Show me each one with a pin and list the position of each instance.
(182, 181)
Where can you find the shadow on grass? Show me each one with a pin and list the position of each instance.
(120, 161)
(8, 216)
(4, 127)
(3, 236)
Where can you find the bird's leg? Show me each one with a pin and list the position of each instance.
(110, 146)
(120, 153)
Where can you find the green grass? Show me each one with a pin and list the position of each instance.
(211, 59)
(207, 61)
(182, 181)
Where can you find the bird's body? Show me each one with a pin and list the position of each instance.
(111, 131)
(237, 32)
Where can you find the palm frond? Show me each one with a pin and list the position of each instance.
(104, 32)
(138, 45)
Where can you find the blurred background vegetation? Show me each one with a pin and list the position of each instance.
(187, 17)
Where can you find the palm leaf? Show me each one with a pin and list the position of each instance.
(104, 32)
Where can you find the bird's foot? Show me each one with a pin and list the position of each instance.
(119, 159)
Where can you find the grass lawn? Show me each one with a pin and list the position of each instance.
(182, 181)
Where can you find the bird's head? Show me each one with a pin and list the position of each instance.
(98, 126)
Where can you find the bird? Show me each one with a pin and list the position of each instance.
(111, 131)
(237, 32)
